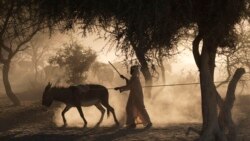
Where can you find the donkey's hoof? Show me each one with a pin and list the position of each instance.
(64, 125)
(97, 126)
(85, 126)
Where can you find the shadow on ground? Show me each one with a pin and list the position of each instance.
(31, 123)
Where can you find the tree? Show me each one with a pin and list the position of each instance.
(37, 53)
(76, 60)
(146, 25)
(17, 27)
(239, 55)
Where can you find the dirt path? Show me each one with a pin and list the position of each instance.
(31, 122)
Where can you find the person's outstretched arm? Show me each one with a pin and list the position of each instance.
(123, 77)
(126, 87)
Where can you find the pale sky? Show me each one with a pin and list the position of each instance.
(181, 62)
(104, 51)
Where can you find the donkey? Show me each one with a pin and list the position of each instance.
(77, 96)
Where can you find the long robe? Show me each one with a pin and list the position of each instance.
(135, 106)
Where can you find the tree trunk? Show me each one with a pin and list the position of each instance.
(145, 71)
(214, 126)
(36, 71)
(225, 115)
(196, 52)
(210, 130)
(7, 86)
(162, 71)
(140, 55)
(197, 58)
(211, 62)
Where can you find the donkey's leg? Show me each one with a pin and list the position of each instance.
(63, 113)
(81, 114)
(111, 109)
(102, 110)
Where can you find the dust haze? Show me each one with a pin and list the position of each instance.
(167, 104)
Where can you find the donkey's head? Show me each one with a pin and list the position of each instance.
(47, 96)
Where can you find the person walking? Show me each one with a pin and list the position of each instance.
(135, 105)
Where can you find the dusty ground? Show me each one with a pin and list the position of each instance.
(32, 122)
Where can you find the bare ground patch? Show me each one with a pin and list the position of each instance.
(31, 122)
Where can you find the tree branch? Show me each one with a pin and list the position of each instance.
(20, 45)
(196, 53)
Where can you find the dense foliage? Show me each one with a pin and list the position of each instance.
(75, 60)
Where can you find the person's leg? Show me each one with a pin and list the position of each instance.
(143, 115)
(130, 121)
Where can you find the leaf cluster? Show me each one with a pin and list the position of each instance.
(76, 60)
(144, 24)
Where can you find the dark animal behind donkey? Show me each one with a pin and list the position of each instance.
(77, 96)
